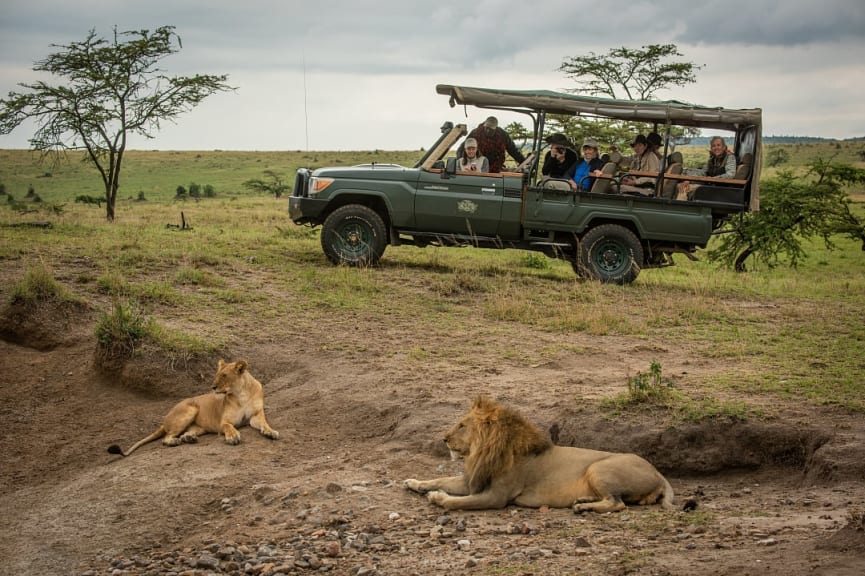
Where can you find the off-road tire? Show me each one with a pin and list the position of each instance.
(609, 253)
(354, 235)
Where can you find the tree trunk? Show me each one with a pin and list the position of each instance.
(739, 264)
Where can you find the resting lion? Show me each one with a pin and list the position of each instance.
(509, 460)
(237, 398)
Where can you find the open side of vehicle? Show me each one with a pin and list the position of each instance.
(605, 234)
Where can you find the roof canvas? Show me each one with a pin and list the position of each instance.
(679, 113)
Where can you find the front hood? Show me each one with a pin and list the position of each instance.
(366, 171)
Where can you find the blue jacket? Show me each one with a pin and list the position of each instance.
(583, 170)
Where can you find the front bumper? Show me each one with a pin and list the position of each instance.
(303, 210)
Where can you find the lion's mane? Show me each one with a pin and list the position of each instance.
(499, 437)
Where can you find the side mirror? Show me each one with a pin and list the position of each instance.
(450, 168)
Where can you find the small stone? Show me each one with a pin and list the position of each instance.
(464, 544)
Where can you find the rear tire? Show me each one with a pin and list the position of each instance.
(609, 253)
(354, 235)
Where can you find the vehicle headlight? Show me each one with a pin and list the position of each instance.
(317, 184)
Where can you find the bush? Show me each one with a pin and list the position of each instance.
(38, 285)
(194, 190)
(649, 387)
(118, 333)
(209, 192)
(180, 193)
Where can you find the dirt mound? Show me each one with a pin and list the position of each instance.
(329, 492)
(45, 325)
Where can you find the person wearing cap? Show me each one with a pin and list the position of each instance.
(590, 165)
(645, 160)
(470, 160)
(561, 159)
(494, 142)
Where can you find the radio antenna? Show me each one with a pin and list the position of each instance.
(305, 113)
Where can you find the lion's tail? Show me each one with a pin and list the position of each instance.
(667, 497)
(115, 449)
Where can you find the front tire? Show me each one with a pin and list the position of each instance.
(609, 253)
(353, 235)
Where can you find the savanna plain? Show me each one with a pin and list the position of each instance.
(747, 390)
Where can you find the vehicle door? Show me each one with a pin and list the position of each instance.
(463, 204)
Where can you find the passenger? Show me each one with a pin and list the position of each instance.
(561, 159)
(613, 156)
(721, 164)
(655, 143)
(645, 160)
(493, 142)
(589, 166)
(470, 160)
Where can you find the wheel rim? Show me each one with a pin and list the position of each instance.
(352, 240)
(610, 257)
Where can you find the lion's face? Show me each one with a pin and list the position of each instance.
(459, 437)
(229, 376)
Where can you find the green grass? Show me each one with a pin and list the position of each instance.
(774, 333)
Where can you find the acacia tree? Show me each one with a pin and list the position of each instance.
(793, 208)
(111, 89)
(622, 73)
(629, 73)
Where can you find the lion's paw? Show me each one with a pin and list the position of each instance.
(413, 485)
(272, 434)
(234, 439)
(189, 438)
(437, 497)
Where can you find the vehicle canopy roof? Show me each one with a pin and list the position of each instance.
(678, 113)
(745, 122)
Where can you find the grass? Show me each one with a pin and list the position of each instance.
(773, 333)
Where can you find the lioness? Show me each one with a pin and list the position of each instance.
(237, 398)
(509, 460)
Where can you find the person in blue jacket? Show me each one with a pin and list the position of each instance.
(590, 165)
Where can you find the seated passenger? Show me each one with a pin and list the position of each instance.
(590, 165)
(560, 160)
(721, 164)
(469, 160)
(645, 160)
(613, 156)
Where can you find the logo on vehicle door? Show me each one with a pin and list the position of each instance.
(467, 206)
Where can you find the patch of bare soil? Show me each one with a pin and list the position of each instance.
(778, 496)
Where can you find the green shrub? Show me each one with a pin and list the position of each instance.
(119, 332)
(38, 285)
(649, 387)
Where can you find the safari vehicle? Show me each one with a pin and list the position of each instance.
(604, 234)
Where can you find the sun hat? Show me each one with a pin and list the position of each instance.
(590, 143)
(492, 123)
(654, 139)
(640, 139)
(470, 143)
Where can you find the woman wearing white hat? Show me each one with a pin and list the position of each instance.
(471, 161)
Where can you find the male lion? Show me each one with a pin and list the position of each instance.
(509, 460)
(237, 398)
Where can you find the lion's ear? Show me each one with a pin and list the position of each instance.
(484, 403)
(221, 363)
(241, 366)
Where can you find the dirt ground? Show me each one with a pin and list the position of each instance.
(782, 496)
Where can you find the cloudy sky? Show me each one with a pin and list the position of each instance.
(355, 75)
